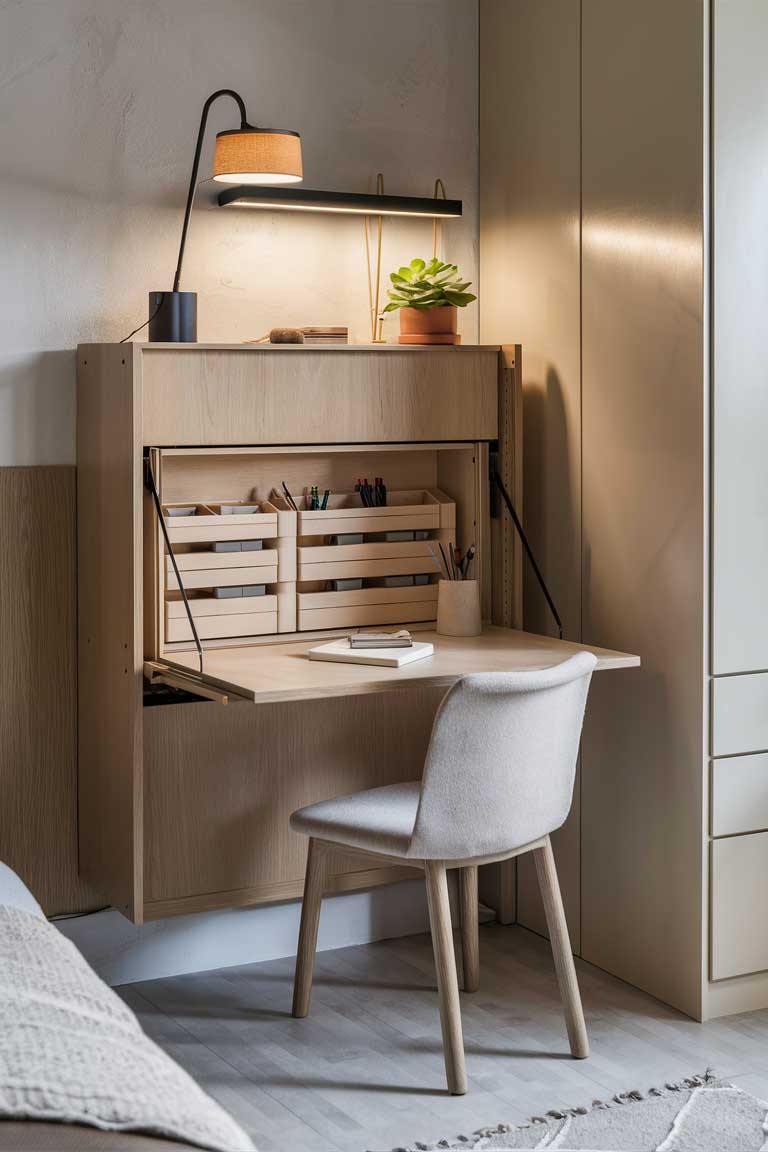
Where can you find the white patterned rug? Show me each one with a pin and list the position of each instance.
(700, 1114)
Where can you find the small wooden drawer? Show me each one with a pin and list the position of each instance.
(344, 561)
(221, 619)
(222, 569)
(404, 511)
(214, 522)
(739, 930)
(739, 795)
(354, 609)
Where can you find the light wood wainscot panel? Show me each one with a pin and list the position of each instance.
(208, 394)
(38, 685)
(222, 782)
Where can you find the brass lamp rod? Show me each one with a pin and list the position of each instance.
(196, 164)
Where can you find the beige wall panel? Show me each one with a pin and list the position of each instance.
(38, 749)
(643, 407)
(529, 280)
(740, 307)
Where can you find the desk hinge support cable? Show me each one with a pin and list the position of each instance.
(497, 480)
(149, 480)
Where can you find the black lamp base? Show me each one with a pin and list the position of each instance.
(173, 317)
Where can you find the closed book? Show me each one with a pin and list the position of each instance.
(340, 652)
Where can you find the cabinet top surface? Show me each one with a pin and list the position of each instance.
(443, 350)
(270, 673)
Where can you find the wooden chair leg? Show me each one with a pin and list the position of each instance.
(447, 980)
(561, 950)
(470, 925)
(310, 919)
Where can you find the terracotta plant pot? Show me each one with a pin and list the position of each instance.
(429, 325)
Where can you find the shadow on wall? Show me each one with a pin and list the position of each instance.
(551, 508)
(37, 408)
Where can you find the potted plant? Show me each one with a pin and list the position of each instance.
(427, 296)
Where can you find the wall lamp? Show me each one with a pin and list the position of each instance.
(358, 203)
(242, 155)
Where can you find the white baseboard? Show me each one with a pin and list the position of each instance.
(122, 953)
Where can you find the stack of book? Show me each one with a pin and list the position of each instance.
(320, 336)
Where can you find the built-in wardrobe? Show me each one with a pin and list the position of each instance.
(624, 240)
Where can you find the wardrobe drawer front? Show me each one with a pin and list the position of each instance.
(739, 928)
(740, 714)
(739, 795)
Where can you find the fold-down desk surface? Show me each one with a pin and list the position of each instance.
(270, 673)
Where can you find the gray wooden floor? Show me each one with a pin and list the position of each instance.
(365, 1070)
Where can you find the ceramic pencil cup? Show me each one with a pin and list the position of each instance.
(458, 608)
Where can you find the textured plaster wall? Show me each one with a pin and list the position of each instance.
(99, 107)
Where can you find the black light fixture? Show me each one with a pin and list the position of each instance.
(358, 203)
(243, 155)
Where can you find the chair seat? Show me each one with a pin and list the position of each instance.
(379, 820)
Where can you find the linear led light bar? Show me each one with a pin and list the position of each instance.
(362, 204)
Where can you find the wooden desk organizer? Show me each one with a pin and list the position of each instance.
(422, 511)
(204, 570)
(301, 558)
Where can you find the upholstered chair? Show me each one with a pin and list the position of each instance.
(498, 779)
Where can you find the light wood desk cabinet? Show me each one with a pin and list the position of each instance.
(184, 806)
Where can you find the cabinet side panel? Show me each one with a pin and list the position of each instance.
(644, 404)
(529, 281)
(110, 643)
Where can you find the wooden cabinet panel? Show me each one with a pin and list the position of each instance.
(739, 930)
(739, 795)
(220, 784)
(644, 494)
(530, 270)
(739, 714)
(289, 395)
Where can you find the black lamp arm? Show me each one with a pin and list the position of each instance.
(497, 480)
(196, 164)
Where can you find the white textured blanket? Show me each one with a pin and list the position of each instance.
(70, 1050)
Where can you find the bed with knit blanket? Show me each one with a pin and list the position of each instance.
(76, 1070)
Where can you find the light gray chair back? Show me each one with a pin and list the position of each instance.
(501, 762)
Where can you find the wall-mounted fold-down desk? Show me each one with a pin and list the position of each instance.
(184, 804)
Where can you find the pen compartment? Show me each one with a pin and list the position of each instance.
(208, 523)
(395, 556)
(346, 513)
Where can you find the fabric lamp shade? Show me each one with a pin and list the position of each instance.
(257, 156)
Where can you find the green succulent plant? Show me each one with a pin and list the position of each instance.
(428, 285)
